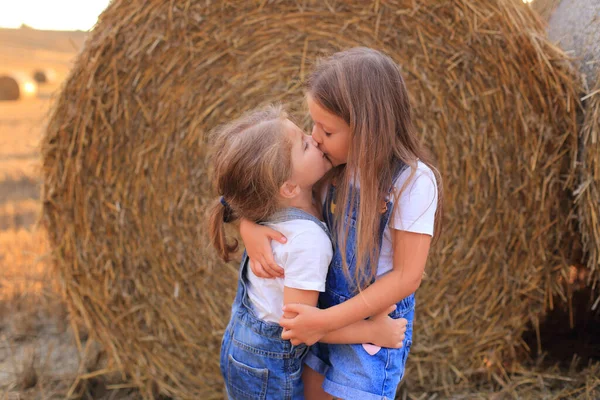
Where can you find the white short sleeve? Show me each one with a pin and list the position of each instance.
(308, 256)
(415, 211)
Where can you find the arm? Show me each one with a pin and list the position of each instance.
(380, 330)
(410, 255)
(257, 240)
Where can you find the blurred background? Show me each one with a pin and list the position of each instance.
(40, 356)
(43, 354)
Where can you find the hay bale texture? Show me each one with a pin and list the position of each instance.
(588, 193)
(9, 88)
(126, 179)
(575, 27)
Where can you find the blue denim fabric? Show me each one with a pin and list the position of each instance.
(350, 372)
(255, 362)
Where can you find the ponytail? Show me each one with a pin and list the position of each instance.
(220, 214)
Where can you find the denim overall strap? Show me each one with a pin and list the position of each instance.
(262, 327)
(338, 289)
(292, 213)
(350, 371)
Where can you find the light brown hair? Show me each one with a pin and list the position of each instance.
(251, 160)
(365, 88)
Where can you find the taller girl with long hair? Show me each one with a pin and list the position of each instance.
(382, 203)
(264, 171)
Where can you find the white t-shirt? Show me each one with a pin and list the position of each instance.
(417, 203)
(305, 259)
(416, 213)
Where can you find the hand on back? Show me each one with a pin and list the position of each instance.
(257, 240)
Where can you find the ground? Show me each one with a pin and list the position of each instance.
(40, 356)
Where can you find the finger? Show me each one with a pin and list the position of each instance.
(286, 334)
(253, 266)
(294, 308)
(258, 269)
(286, 324)
(268, 270)
(275, 269)
(295, 342)
(391, 309)
(277, 236)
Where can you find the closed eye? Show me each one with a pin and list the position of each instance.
(327, 133)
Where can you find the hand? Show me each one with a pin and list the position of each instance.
(308, 326)
(388, 332)
(257, 239)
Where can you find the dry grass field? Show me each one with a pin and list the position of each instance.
(40, 355)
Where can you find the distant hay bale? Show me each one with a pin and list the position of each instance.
(545, 8)
(126, 178)
(575, 27)
(40, 76)
(44, 76)
(588, 192)
(9, 88)
(17, 85)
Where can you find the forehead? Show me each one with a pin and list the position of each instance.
(292, 129)
(321, 115)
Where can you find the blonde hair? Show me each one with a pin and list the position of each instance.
(365, 88)
(251, 160)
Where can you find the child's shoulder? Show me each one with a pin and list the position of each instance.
(423, 177)
(304, 239)
(301, 229)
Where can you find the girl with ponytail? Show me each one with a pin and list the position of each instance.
(264, 171)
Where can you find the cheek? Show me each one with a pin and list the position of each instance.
(344, 145)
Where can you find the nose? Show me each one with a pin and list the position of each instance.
(316, 135)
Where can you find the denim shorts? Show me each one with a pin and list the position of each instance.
(257, 364)
(351, 373)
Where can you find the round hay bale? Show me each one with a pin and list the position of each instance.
(9, 88)
(588, 193)
(544, 8)
(575, 27)
(126, 178)
(44, 76)
(17, 85)
(40, 76)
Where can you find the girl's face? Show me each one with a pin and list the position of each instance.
(309, 164)
(331, 132)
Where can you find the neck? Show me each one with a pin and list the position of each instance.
(304, 201)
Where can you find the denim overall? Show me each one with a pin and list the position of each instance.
(255, 362)
(350, 372)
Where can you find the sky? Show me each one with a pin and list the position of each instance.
(63, 15)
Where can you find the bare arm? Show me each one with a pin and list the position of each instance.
(257, 240)
(410, 255)
(380, 330)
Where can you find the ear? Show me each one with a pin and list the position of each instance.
(289, 190)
